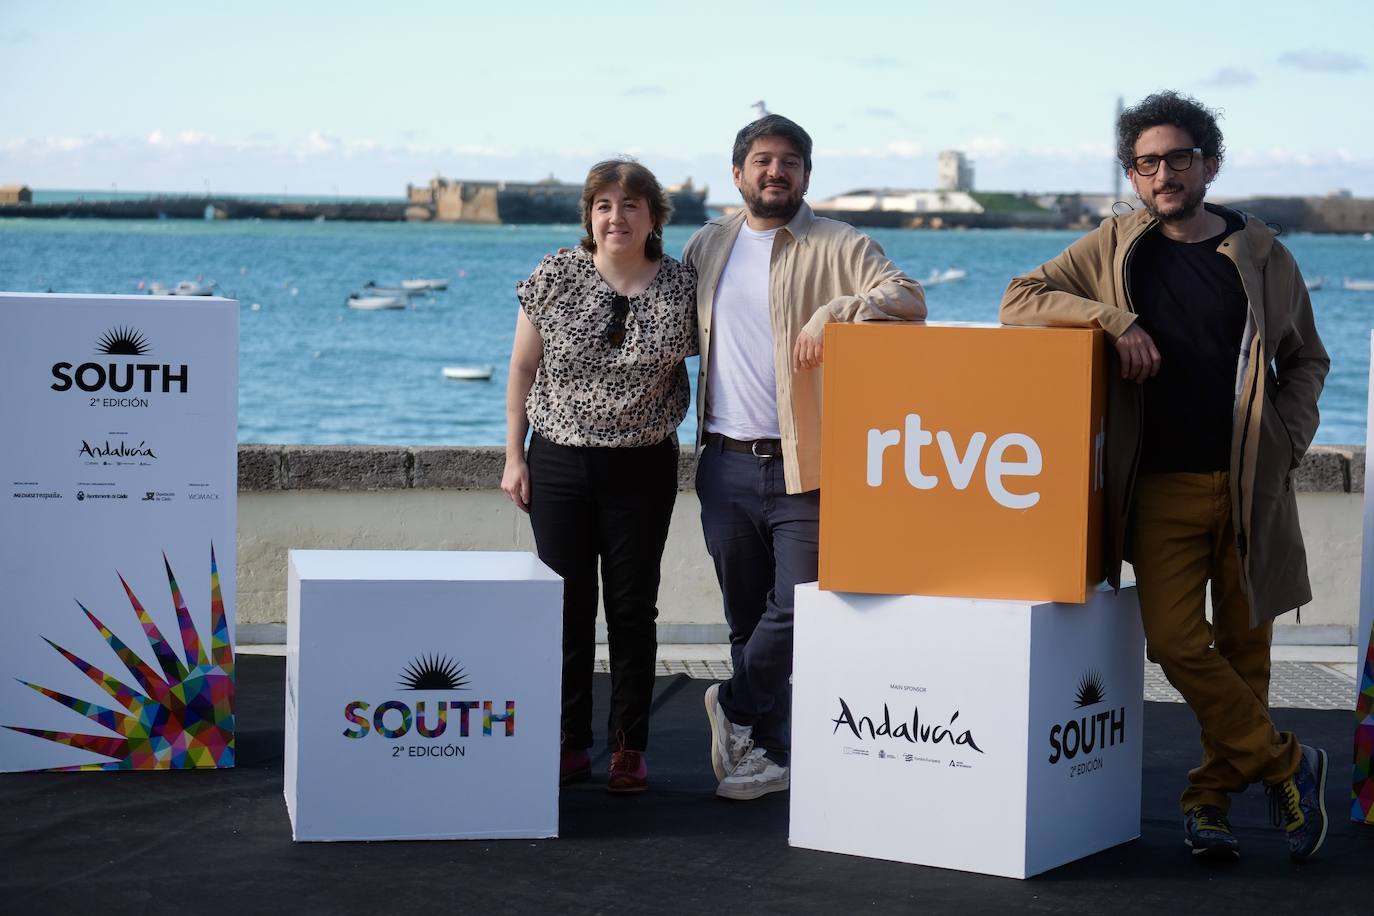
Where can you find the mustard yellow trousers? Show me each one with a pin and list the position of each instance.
(1184, 539)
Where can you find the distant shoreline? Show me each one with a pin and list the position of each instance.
(1321, 215)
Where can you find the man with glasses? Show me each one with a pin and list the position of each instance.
(1215, 404)
(769, 278)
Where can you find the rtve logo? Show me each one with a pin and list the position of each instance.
(960, 467)
(962, 460)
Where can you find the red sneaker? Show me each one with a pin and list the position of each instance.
(629, 774)
(573, 766)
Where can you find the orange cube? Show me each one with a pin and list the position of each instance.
(962, 460)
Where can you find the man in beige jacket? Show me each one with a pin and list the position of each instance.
(769, 278)
(1215, 404)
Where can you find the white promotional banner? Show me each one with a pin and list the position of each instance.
(118, 526)
(1000, 737)
(422, 695)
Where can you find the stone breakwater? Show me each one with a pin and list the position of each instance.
(354, 497)
(200, 207)
(386, 467)
(1324, 469)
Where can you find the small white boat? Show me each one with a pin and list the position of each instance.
(1362, 286)
(950, 275)
(373, 289)
(184, 288)
(422, 284)
(1314, 283)
(376, 303)
(468, 373)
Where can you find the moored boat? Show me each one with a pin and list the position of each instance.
(1363, 286)
(425, 284)
(184, 288)
(376, 303)
(373, 289)
(949, 275)
(468, 373)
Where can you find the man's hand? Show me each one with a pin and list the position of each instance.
(807, 353)
(1139, 356)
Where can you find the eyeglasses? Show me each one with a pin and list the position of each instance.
(620, 308)
(1180, 160)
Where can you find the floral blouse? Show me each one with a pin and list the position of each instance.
(587, 391)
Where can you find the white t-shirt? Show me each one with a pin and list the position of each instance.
(742, 394)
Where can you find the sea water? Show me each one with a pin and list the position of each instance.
(311, 370)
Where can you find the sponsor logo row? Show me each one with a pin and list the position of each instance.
(1092, 728)
(147, 496)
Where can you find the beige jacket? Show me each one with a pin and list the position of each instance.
(821, 271)
(1275, 414)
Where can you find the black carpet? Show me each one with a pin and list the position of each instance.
(220, 842)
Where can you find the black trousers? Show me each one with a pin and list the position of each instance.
(612, 505)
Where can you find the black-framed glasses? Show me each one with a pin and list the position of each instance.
(620, 310)
(1180, 160)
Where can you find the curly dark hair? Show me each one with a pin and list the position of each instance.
(1168, 107)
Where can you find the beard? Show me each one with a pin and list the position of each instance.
(1185, 211)
(780, 209)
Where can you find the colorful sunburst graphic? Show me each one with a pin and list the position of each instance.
(181, 720)
(1362, 797)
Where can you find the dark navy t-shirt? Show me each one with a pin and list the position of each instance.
(1190, 300)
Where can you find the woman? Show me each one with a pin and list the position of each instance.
(597, 370)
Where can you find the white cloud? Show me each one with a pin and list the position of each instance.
(1323, 61)
(1283, 156)
(317, 142)
(166, 160)
(1078, 152)
(1230, 76)
(897, 149)
(991, 146)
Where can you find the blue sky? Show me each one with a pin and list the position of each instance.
(345, 97)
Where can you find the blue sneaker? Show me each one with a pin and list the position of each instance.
(1208, 833)
(1298, 804)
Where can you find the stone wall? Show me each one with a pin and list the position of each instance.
(447, 498)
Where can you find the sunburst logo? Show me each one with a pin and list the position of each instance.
(183, 719)
(1091, 689)
(433, 672)
(122, 341)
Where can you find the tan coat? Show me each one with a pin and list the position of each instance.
(1275, 412)
(822, 270)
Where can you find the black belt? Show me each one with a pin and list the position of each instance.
(759, 448)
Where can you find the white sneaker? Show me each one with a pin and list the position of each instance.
(756, 775)
(729, 742)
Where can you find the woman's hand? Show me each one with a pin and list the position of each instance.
(515, 482)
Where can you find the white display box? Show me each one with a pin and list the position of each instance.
(1000, 737)
(422, 695)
